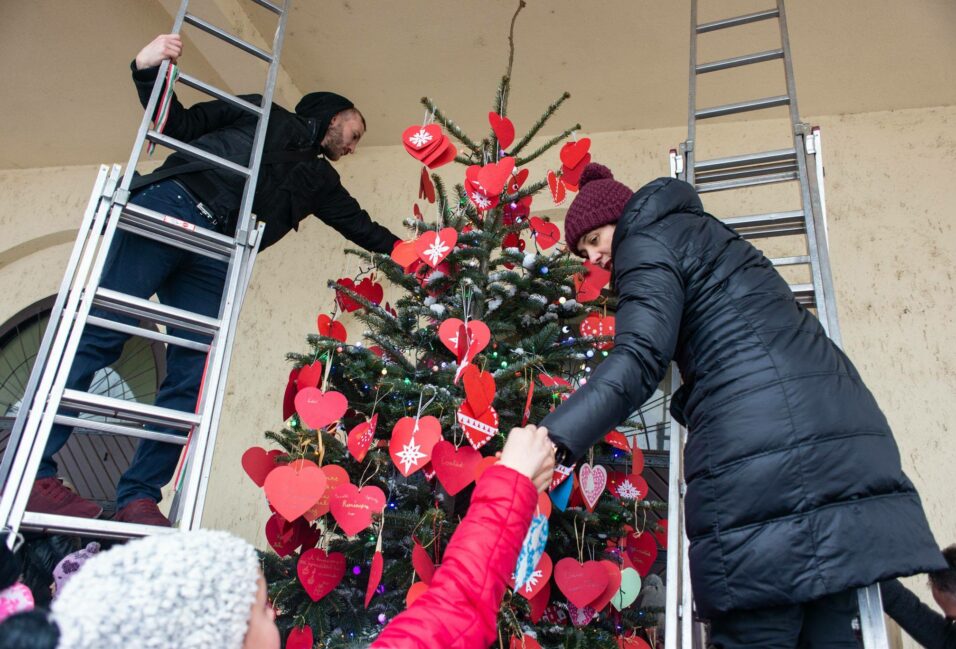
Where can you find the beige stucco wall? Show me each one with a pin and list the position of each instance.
(890, 195)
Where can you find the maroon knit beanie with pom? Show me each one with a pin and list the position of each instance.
(600, 201)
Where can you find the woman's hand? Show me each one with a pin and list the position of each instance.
(530, 452)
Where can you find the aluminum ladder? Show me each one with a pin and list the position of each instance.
(801, 164)
(108, 210)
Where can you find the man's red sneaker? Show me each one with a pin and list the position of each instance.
(49, 496)
(144, 512)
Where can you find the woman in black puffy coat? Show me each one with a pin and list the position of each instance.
(795, 494)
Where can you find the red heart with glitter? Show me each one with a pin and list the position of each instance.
(320, 572)
(642, 549)
(493, 176)
(334, 476)
(455, 467)
(353, 508)
(319, 409)
(478, 428)
(479, 335)
(581, 583)
(572, 175)
(432, 247)
(503, 128)
(558, 190)
(594, 324)
(360, 438)
(540, 577)
(330, 328)
(292, 489)
(419, 141)
(310, 376)
(441, 155)
(479, 388)
(544, 232)
(411, 445)
(299, 638)
(258, 463)
(572, 153)
(422, 562)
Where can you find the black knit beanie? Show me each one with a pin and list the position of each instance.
(322, 106)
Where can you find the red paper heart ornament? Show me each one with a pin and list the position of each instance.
(637, 458)
(595, 324)
(617, 439)
(318, 409)
(572, 175)
(613, 585)
(422, 563)
(557, 187)
(310, 376)
(414, 592)
(544, 232)
(493, 176)
(421, 140)
(642, 549)
(374, 576)
(281, 535)
(478, 428)
(524, 642)
(661, 534)
(353, 508)
(288, 397)
(412, 442)
(404, 254)
(593, 480)
(334, 476)
(540, 576)
(433, 247)
(331, 328)
(455, 467)
(426, 188)
(633, 487)
(299, 638)
(597, 275)
(292, 489)
(370, 290)
(258, 463)
(479, 335)
(539, 602)
(345, 302)
(503, 128)
(581, 583)
(585, 291)
(320, 572)
(573, 152)
(360, 438)
(479, 388)
(632, 642)
(485, 464)
(581, 616)
(517, 180)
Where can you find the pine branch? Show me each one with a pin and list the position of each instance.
(451, 126)
(547, 145)
(538, 125)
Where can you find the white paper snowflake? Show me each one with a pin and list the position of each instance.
(533, 581)
(410, 455)
(481, 201)
(421, 138)
(627, 490)
(436, 251)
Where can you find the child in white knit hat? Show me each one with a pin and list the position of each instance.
(187, 590)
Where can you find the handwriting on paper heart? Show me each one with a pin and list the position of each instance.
(292, 489)
(642, 550)
(455, 467)
(360, 438)
(334, 476)
(581, 583)
(412, 442)
(318, 409)
(320, 572)
(353, 508)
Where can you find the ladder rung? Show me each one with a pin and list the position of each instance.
(745, 172)
(739, 20)
(114, 428)
(88, 527)
(213, 91)
(746, 182)
(746, 159)
(152, 334)
(128, 410)
(742, 107)
(790, 261)
(773, 224)
(268, 5)
(209, 28)
(195, 152)
(176, 232)
(154, 312)
(737, 61)
(804, 294)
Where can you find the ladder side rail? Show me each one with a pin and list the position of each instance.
(675, 527)
(200, 451)
(51, 343)
(42, 416)
(687, 148)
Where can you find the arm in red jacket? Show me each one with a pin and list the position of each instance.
(460, 608)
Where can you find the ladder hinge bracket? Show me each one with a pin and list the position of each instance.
(686, 146)
(801, 128)
(121, 197)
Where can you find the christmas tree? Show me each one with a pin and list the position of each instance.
(384, 438)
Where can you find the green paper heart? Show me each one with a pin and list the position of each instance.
(630, 588)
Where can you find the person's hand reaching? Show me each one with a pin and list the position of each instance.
(530, 452)
(164, 46)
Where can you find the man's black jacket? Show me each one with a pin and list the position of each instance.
(286, 192)
(794, 484)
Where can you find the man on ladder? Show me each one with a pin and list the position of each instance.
(296, 180)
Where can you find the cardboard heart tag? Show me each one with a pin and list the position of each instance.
(593, 480)
(613, 585)
(330, 328)
(633, 487)
(414, 592)
(557, 187)
(455, 467)
(629, 589)
(503, 128)
(353, 508)
(374, 576)
(421, 140)
(433, 247)
(595, 324)
(422, 562)
(478, 428)
(642, 550)
(544, 232)
(258, 463)
(320, 572)
(493, 176)
(334, 476)
(539, 602)
(532, 549)
(581, 616)
(310, 376)
(299, 638)
(581, 583)
(479, 335)
(360, 438)
(292, 489)
(573, 152)
(479, 388)
(412, 443)
(318, 409)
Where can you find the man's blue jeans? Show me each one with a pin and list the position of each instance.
(142, 267)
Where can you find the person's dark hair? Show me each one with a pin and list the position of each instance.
(348, 112)
(945, 580)
(29, 630)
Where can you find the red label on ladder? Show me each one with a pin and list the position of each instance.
(185, 225)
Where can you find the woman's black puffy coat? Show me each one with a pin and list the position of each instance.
(794, 484)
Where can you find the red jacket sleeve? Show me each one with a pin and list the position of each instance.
(460, 608)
